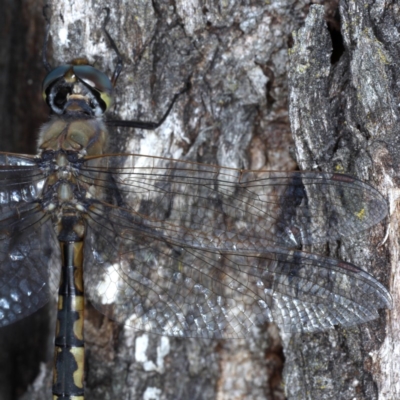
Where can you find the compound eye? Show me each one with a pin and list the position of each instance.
(53, 76)
(97, 81)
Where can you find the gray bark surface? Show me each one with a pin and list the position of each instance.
(345, 118)
(236, 114)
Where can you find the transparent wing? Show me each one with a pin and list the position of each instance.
(27, 241)
(283, 208)
(170, 289)
(195, 250)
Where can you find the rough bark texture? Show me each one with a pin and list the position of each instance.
(236, 114)
(344, 117)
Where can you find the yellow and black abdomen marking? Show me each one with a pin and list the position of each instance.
(69, 352)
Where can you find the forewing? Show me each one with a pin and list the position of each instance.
(278, 208)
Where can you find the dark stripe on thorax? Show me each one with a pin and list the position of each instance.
(69, 352)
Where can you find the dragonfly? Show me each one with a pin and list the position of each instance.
(169, 246)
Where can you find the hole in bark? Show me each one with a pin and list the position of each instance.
(336, 37)
(290, 41)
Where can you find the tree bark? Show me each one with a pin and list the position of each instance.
(344, 117)
(236, 114)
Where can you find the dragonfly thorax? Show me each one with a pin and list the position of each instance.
(85, 136)
(66, 196)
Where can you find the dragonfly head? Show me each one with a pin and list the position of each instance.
(78, 87)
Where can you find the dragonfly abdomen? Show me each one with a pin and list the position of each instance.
(69, 343)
